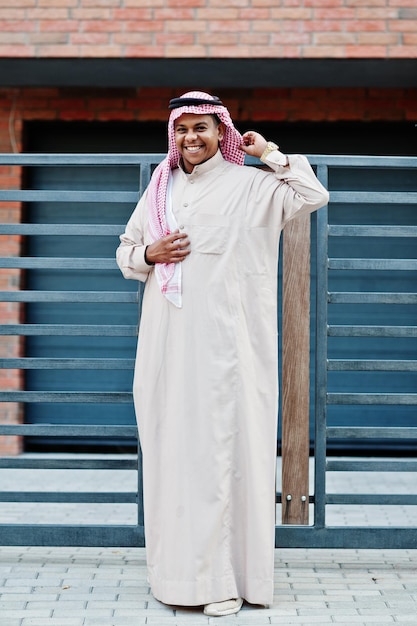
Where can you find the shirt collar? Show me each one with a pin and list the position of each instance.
(207, 166)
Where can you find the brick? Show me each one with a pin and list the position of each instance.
(184, 39)
(301, 13)
(290, 38)
(48, 38)
(230, 51)
(231, 26)
(175, 14)
(57, 3)
(185, 3)
(143, 39)
(97, 13)
(366, 51)
(321, 26)
(66, 26)
(194, 26)
(124, 15)
(12, 14)
(23, 3)
(376, 13)
(250, 39)
(144, 51)
(92, 26)
(144, 3)
(16, 50)
(253, 14)
(13, 38)
(329, 4)
(378, 39)
(16, 26)
(57, 51)
(267, 26)
(365, 3)
(185, 51)
(273, 51)
(324, 15)
(144, 25)
(89, 38)
(50, 13)
(409, 39)
(332, 52)
(217, 14)
(100, 51)
(101, 3)
(334, 38)
(404, 52)
(403, 25)
(231, 39)
(365, 25)
(233, 3)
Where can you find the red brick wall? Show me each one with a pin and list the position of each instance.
(20, 105)
(289, 104)
(209, 28)
(10, 313)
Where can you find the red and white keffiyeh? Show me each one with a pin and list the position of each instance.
(161, 218)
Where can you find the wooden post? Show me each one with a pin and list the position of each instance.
(295, 370)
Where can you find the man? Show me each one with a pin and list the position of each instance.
(205, 238)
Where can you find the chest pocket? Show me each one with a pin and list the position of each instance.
(209, 233)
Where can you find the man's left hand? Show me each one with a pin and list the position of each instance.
(253, 144)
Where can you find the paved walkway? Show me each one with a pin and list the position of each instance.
(108, 587)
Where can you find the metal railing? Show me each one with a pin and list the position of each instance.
(317, 534)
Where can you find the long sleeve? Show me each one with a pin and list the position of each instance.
(305, 192)
(130, 255)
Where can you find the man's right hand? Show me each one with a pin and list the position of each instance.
(172, 248)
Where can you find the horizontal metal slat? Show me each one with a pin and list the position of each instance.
(362, 432)
(62, 229)
(348, 230)
(372, 398)
(373, 197)
(400, 465)
(340, 365)
(22, 463)
(68, 430)
(69, 296)
(41, 363)
(68, 497)
(62, 195)
(372, 264)
(58, 330)
(346, 297)
(93, 397)
(58, 263)
(372, 499)
(94, 159)
(72, 535)
(354, 537)
(371, 331)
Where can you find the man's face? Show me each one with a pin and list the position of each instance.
(197, 138)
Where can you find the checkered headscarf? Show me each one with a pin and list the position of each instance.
(169, 275)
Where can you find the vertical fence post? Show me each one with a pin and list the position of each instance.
(296, 371)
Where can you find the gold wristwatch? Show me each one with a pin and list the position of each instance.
(270, 147)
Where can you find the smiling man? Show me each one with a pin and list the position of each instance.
(204, 237)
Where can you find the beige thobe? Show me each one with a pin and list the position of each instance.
(206, 380)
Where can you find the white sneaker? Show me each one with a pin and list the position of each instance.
(219, 609)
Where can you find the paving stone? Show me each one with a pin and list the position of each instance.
(79, 586)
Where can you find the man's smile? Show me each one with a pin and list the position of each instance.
(193, 148)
